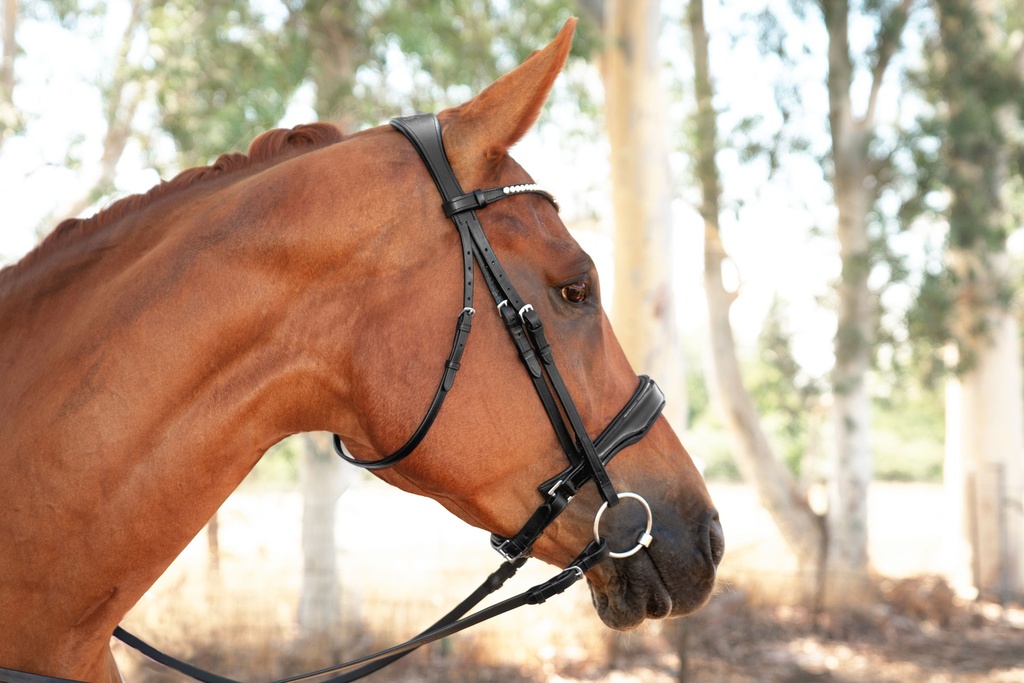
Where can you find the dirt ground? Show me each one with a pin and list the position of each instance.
(403, 561)
(733, 641)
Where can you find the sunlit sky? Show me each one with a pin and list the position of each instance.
(769, 238)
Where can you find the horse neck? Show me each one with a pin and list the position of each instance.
(146, 385)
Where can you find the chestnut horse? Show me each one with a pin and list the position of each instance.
(151, 354)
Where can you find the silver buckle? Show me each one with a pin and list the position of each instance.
(509, 557)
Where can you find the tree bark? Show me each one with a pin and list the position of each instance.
(777, 489)
(644, 306)
(213, 547)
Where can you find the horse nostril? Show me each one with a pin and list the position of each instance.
(714, 541)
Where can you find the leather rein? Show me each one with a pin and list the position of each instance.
(587, 458)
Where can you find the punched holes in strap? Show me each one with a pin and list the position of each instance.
(586, 447)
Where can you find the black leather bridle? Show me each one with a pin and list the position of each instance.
(587, 458)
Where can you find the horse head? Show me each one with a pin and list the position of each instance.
(493, 443)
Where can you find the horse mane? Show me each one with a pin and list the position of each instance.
(271, 147)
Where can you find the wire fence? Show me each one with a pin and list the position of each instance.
(403, 561)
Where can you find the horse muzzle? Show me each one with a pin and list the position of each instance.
(672, 576)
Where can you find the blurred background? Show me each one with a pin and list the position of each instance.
(806, 216)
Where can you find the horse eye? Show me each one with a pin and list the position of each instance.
(576, 293)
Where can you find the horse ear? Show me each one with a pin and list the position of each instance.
(501, 114)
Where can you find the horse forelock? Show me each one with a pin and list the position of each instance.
(271, 147)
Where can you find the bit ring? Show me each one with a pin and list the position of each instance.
(645, 538)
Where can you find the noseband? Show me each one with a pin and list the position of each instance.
(587, 458)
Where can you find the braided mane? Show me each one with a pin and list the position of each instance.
(271, 147)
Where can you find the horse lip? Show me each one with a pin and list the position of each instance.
(645, 596)
(628, 591)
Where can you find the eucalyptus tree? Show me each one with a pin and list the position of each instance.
(858, 171)
(970, 158)
(634, 109)
(775, 485)
(856, 163)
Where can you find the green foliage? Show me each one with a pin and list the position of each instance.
(456, 47)
(971, 81)
(784, 394)
(468, 41)
(708, 441)
(222, 73)
(758, 137)
(907, 429)
(227, 70)
(65, 12)
(929, 322)
(279, 465)
(908, 434)
(697, 397)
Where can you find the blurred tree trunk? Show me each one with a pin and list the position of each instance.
(9, 119)
(336, 49)
(323, 478)
(213, 547)
(847, 519)
(855, 187)
(985, 440)
(777, 489)
(644, 308)
(985, 419)
(683, 629)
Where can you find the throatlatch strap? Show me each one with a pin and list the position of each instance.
(463, 326)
